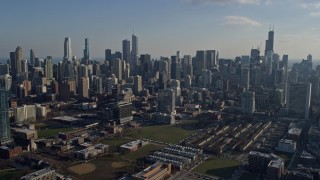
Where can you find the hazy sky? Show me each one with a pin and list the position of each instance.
(163, 26)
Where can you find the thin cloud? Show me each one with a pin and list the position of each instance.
(223, 2)
(241, 20)
(314, 14)
(311, 4)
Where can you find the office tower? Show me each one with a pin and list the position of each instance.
(24, 70)
(285, 60)
(16, 58)
(5, 135)
(117, 68)
(145, 66)
(96, 69)
(108, 55)
(137, 84)
(108, 85)
(6, 81)
(84, 87)
(32, 57)
(206, 79)
(255, 76)
(210, 59)
(118, 55)
(166, 101)
(176, 68)
(48, 68)
(126, 50)
(269, 62)
(245, 77)
(255, 56)
(4, 69)
(86, 55)
(175, 85)
(134, 61)
(245, 62)
(309, 57)
(298, 100)
(67, 49)
(187, 66)
(315, 87)
(97, 85)
(199, 62)
(135, 46)
(269, 42)
(248, 105)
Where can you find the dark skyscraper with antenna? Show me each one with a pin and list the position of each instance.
(86, 55)
(270, 41)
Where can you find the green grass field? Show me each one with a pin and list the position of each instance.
(142, 152)
(115, 142)
(218, 167)
(168, 134)
(10, 174)
(52, 132)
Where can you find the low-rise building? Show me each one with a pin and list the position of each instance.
(132, 146)
(92, 151)
(9, 152)
(286, 145)
(156, 171)
(47, 173)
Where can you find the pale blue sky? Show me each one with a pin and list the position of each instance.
(163, 26)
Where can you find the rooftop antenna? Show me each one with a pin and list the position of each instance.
(270, 27)
(273, 27)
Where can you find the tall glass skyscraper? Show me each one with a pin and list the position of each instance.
(67, 49)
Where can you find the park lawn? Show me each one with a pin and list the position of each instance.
(142, 152)
(115, 142)
(218, 167)
(52, 132)
(10, 174)
(167, 134)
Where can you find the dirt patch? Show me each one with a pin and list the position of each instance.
(82, 169)
(119, 164)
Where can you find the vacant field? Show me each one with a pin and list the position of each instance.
(82, 169)
(52, 132)
(218, 167)
(141, 153)
(168, 134)
(10, 174)
(108, 168)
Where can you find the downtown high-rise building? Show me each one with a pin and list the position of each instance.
(5, 135)
(32, 57)
(134, 61)
(86, 55)
(126, 50)
(248, 105)
(298, 99)
(166, 101)
(15, 59)
(67, 49)
(48, 67)
(84, 87)
(135, 47)
(269, 42)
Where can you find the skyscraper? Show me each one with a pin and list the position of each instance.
(269, 42)
(5, 135)
(108, 55)
(126, 50)
(199, 63)
(166, 101)
(176, 68)
(32, 56)
(137, 84)
(86, 56)
(210, 59)
(84, 87)
(117, 68)
(135, 48)
(19, 58)
(67, 49)
(48, 71)
(248, 102)
(299, 97)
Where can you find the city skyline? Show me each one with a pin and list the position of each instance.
(180, 25)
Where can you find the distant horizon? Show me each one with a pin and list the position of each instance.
(163, 27)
